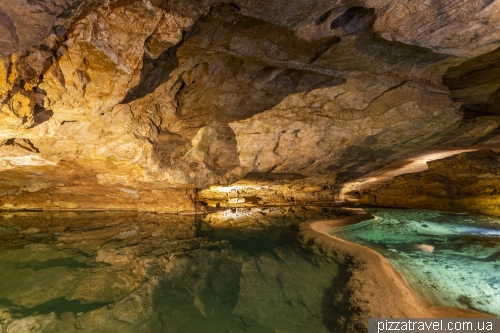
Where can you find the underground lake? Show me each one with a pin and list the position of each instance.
(219, 166)
(235, 270)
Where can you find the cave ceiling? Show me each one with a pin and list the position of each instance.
(141, 104)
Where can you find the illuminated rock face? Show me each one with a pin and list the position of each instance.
(468, 181)
(138, 104)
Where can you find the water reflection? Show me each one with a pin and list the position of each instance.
(130, 272)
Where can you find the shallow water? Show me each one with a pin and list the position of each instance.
(230, 271)
(450, 259)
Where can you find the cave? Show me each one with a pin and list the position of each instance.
(259, 166)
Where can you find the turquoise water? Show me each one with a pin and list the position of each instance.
(450, 259)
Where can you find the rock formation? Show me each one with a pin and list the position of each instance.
(467, 181)
(168, 106)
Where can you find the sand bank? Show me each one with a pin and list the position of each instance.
(367, 286)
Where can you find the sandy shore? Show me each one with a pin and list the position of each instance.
(372, 288)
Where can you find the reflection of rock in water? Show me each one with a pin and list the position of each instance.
(241, 292)
(129, 272)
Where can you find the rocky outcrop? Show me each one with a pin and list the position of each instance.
(476, 84)
(464, 182)
(171, 97)
(27, 23)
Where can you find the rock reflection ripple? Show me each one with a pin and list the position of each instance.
(228, 271)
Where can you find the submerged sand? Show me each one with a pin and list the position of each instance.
(372, 287)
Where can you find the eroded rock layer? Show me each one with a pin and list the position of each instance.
(142, 104)
(467, 181)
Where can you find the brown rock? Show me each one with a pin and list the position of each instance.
(199, 94)
(463, 182)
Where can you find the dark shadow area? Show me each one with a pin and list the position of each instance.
(476, 83)
(354, 20)
(22, 143)
(359, 155)
(154, 72)
(336, 303)
(272, 176)
(223, 285)
(9, 142)
(222, 155)
(324, 48)
(203, 303)
(253, 242)
(58, 306)
(37, 265)
(41, 115)
(323, 17)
